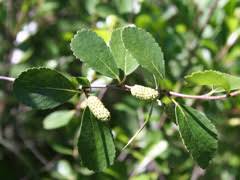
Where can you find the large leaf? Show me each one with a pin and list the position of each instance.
(123, 58)
(198, 134)
(96, 146)
(58, 119)
(43, 88)
(91, 49)
(145, 50)
(214, 79)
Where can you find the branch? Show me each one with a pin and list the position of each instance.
(204, 97)
(7, 78)
(193, 49)
(175, 94)
(210, 13)
(161, 92)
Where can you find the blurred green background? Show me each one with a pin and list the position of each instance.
(194, 35)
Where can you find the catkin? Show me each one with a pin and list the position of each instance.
(144, 93)
(97, 108)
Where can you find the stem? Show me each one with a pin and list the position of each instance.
(5, 78)
(204, 97)
(110, 86)
(167, 93)
(75, 140)
(140, 129)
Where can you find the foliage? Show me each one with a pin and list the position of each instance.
(215, 79)
(169, 40)
(198, 134)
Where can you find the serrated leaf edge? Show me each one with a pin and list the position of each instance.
(183, 138)
(125, 62)
(48, 69)
(202, 72)
(154, 43)
(88, 30)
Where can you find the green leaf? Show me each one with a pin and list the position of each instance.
(198, 134)
(91, 49)
(83, 81)
(96, 146)
(91, 6)
(145, 50)
(214, 79)
(124, 6)
(123, 58)
(58, 119)
(43, 88)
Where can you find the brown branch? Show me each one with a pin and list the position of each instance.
(161, 92)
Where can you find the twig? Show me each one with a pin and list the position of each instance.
(75, 139)
(211, 11)
(5, 78)
(232, 39)
(204, 97)
(35, 152)
(193, 49)
(11, 147)
(197, 173)
(111, 86)
(162, 92)
(140, 129)
(181, 95)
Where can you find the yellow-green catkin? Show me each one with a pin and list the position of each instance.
(144, 93)
(97, 108)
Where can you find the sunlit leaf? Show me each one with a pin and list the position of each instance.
(145, 50)
(123, 58)
(91, 49)
(214, 79)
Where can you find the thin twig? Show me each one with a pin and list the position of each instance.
(75, 140)
(193, 49)
(110, 86)
(11, 147)
(181, 95)
(140, 129)
(204, 97)
(5, 78)
(197, 172)
(210, 13)
(164, 92)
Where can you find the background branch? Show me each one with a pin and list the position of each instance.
(195, 46)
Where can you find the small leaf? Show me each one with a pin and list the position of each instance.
(214, 79)
(43, 88)
(123, 58)
(58, 119)
(91, 49)
(145, 50)
(96, 146)
(198, 134)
